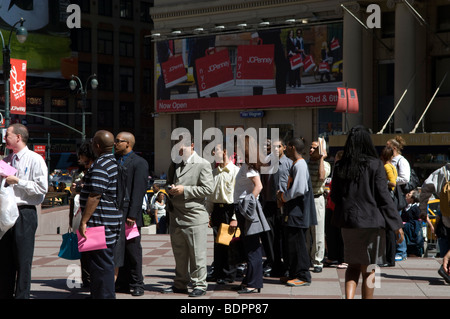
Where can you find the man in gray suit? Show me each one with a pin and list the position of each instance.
(189, 183)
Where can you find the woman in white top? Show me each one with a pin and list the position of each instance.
(248, 181)
(404, 174)
(160, 214)
(401, 163)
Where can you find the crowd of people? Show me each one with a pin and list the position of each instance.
(289, 223)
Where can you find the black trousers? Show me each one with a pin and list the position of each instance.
(391, 244)
(272, 239)
(100, 264)
(333, 237)
(221, 213)
(130, 275)
(298, 256)
(16, 255)
(253, 249)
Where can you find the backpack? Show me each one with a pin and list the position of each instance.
(444, 196)
(414, 181)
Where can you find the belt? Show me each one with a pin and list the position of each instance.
(318, 195)
(26, 207)
(222, 205)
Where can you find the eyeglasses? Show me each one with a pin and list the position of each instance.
(119, 141)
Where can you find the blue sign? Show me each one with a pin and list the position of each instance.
(252, 114)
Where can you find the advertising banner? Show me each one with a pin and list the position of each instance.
(231, 72)
(174, 71)
(255, 65)
(40, 149)
(17, 87)
(214, 72)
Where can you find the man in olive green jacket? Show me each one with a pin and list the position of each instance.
(189, 183)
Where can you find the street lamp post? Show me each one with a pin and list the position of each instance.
(21, 34)
(83, 91)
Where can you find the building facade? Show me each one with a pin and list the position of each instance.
(401, 65)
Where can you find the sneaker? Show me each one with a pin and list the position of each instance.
(398, 258)
(297, 283)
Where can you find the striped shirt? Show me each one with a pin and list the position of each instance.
(317, 184)
(101, 178)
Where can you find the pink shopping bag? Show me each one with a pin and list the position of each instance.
(131, 231)
(95, 239)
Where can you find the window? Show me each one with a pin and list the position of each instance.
(81, 40)
(148, 48)
(105, 8)
(443, 18)
(105, 77)
(59, 106)
(147, 81)
(145, 12)
(105, 42)
(85, 5)
(126, 114)
(126, 44)
(105, 114)
(126, 9)
(126, 79)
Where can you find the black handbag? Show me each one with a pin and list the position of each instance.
(399, 198)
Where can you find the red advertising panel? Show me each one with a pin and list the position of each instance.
(228, 72)
(214, 72)
(353, 103)
(18, 96)
(347, 101)
(342, 100)
(174, 71)
(255, 65)
(40, 149)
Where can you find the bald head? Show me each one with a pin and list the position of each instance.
(129, 137)
(103, 142)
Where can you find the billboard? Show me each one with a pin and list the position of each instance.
(271, 68)
(47, 49)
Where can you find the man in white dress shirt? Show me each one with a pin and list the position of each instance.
(30, 185)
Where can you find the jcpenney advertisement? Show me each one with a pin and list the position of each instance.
(274, 68)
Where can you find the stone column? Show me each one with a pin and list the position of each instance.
(353, 61)
(405, 57)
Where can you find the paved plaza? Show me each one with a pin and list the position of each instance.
(56, 278)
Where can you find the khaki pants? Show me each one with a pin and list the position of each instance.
(316, 234)
(189, 245)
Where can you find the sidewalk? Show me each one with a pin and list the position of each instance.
(414, 278)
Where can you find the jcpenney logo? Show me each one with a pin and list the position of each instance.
(219, 66)
(176, 67)
(255, 59)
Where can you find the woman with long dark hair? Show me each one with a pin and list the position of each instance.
(364, 210)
